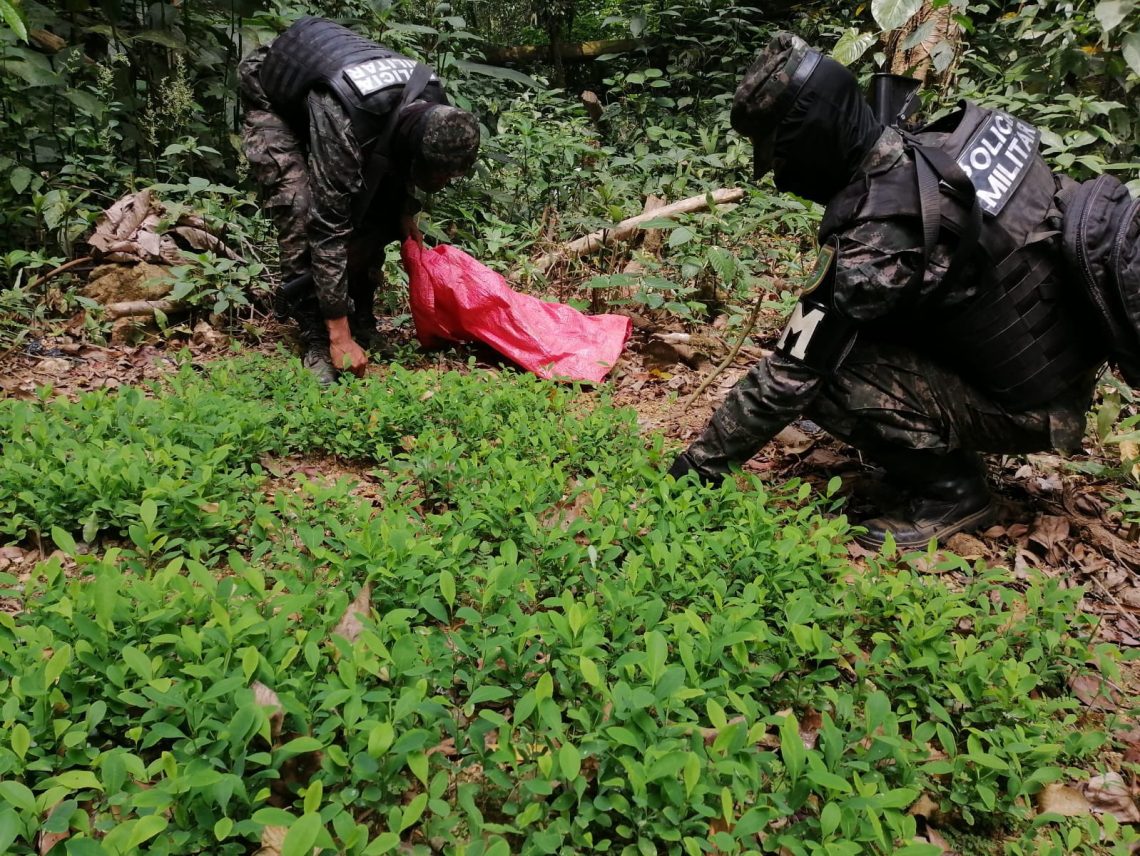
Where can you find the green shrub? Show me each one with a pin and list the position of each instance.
(562, 653)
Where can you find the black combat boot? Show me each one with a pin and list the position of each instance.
(362, 322)
(318, 361)
(314, 338)
(684, 465)
(953, 497)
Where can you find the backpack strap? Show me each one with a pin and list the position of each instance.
(937, 168)
(380, 160)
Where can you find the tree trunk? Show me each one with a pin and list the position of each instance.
(940, 46)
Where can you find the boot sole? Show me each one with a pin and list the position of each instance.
(979, 518)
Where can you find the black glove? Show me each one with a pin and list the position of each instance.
(684, 465)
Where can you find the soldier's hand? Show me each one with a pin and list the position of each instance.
(347, 356)
(410, 229)
(684, 466)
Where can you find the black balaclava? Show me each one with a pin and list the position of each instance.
(824, 136)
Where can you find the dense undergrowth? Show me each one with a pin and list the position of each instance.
(107, 99)
(558, 651)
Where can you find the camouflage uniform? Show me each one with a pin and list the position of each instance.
(911, 346)
(891, 392)
(308, 190)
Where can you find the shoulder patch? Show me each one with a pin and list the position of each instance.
(823, 262)
(817, 335)
(377, 74)
(997, 157)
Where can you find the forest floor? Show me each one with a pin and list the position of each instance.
(1053, 517)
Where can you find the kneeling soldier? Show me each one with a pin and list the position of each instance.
(941, 325)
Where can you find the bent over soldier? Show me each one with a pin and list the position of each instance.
(338, 130)
(941, 325)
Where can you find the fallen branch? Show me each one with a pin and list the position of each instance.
(603, 237)
(51, 274)
(727, 361)
(131, 308)
(46, 41)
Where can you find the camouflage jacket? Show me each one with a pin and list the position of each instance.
(874, 272)
(336, 177)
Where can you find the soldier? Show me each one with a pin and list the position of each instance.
(941, 325)
(338, 130)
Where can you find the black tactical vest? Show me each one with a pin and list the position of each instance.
(975, 180)
(367, 78)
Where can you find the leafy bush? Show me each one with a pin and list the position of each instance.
(550, 648)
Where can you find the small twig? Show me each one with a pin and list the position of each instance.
(727, 361)
(1120, 610)
(51, 274)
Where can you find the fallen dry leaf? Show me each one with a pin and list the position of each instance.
(1110, 794)
(266, 697)
(932, 836)
(1130, 451)
(272, 840)
(1016, 531)
(795, 441)
(966, 546)
(1132, 746)
(1063, 800)
(810, 724)
(1018, 610)
(445, 747)
(12, 554)
(924, 806)
(1023, 561)
(929, 564)
(1130, 597)
(1049, 530)
(711, 734)
(54, 366)
(350, 626)
(48, 840)
(205, 335)
(1090, 505)
(1112, 578)
(857, 551)
(1094, 693)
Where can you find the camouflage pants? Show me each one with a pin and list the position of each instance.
(906, 412)
(924, 422)
(277, 161)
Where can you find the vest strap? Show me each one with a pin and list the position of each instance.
(381, 159)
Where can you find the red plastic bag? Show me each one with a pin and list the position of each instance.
(456, 298)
